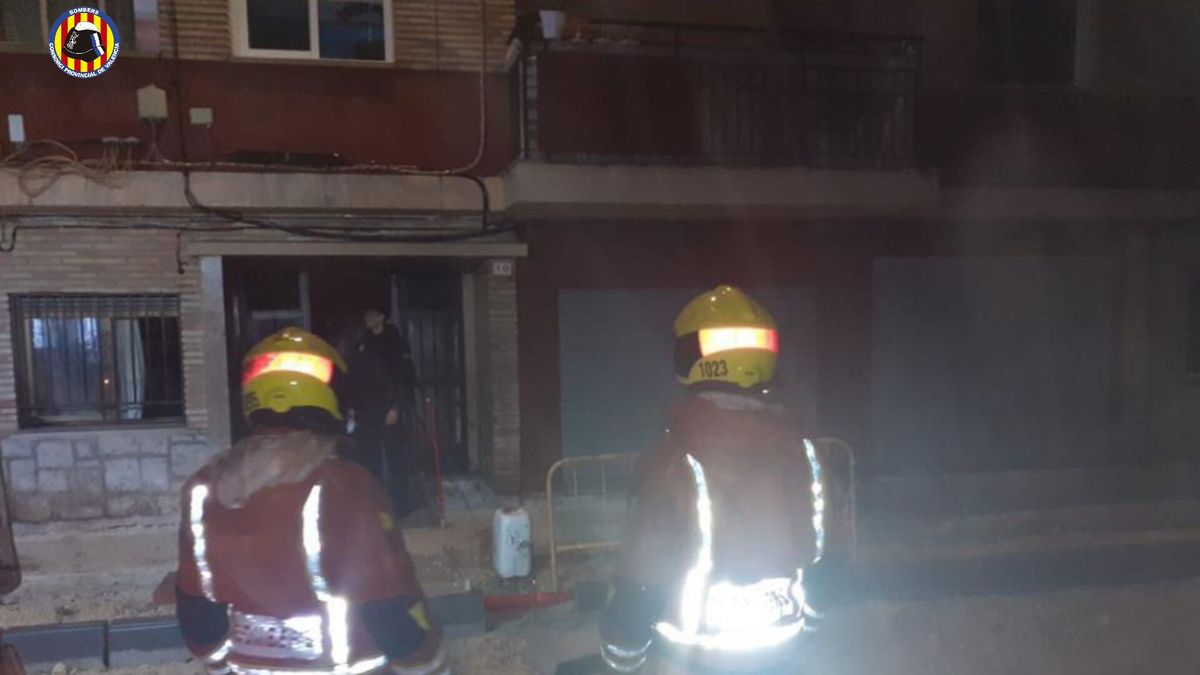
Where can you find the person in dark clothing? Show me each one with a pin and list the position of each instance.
(380, 389)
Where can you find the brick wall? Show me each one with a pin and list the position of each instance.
(499, 399)
(203, 27)
(63, 474)
(428, 34)
(444, 34)
(58, 474)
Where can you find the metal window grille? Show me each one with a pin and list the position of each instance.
(435, 338)
(829, 101)
(97, 359)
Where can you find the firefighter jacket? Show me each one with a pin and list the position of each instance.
(291, 560)
(729, 512)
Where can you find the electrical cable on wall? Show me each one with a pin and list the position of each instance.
(348, 234)
(37, 174)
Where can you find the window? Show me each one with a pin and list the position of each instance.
(29, 21)
(356, 30)
(1027, 41)
(88, 359)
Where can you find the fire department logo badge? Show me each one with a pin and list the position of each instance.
(84, 42)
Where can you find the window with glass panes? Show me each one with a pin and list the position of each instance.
(356, 30)
(97, 359)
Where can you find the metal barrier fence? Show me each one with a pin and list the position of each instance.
(602, 478)
(601, 465)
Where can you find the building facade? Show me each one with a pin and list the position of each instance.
(973, 220)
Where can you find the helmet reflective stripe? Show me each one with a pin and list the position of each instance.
(199, 496)
(717, 340)
(291, 370)
(724, 336)
(291, 362)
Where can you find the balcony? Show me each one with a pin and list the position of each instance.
(703, 96)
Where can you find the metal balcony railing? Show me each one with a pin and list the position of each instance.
(829, 101)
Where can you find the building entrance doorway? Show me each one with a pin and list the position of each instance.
(329, 295)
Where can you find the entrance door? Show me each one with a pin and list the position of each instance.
(427, 308)
(328, 296)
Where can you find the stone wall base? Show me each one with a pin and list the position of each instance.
(112, 473)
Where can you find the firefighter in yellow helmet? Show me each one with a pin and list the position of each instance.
(729, 511)
(289, 557)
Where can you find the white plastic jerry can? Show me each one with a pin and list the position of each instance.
(512, 543)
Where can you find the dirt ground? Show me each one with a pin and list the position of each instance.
(109, 570)
(1126, 631)
(93, 571)
(106, 570)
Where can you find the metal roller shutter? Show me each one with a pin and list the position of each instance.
(615, 363)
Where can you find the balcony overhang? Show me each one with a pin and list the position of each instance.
(258, 191)
(316, 249)
(534, 189)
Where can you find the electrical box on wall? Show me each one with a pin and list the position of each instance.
(202, 117)
(16, 129)
(152, 103)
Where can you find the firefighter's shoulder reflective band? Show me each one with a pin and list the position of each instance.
(312, 542)
(692, 597)
(337, 609)
(697, 578)
(199, 497)
(818, 496)
(750, 616)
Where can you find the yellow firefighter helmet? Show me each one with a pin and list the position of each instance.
(286, 380)
(725, 336)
